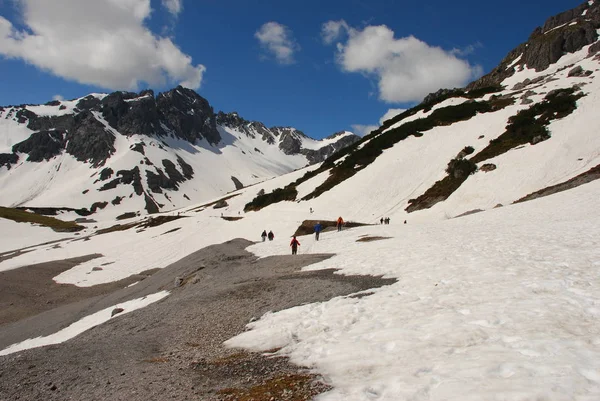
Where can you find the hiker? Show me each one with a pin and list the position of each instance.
(264, 235)
(404, 221)
(294, 244)
(381, 221)
(271, 235)
(340, 223)
(311, 210)
(318, 228)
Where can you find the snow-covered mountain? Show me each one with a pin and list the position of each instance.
(499, 304)
(127, 152)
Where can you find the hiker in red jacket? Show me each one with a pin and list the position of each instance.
(294, 244)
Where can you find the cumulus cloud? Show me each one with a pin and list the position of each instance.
(278, 40)
(389, 114)
(98, 42)
(362, 130)
(333, 30)
(407, 69)
(173, 6)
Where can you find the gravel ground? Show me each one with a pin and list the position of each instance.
(172, 349)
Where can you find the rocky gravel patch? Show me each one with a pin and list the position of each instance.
(173, 349)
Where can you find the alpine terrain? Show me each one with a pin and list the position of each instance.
(129, 152)
(484, 285)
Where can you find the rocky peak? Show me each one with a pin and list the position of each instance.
(188, 114)
(250, 128)
(564, 33)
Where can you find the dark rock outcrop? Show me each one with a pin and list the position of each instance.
(89, 141)
(238, 184)
(43, 145)
(189, 115)
(252, 129)
(564, 33)
(6, 159)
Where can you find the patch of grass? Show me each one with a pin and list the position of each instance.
(583, 178)
(444, 116)
(362, 153)
(370, 239)
(290, 387)
(21, 216)
(458, 171)
(159, 220)
(232, 218)
(127, 215)
(287, 193)
(171, 231)
(529, 125)
(117, 227)
(202, 207)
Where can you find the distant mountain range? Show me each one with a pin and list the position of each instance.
(141, 151)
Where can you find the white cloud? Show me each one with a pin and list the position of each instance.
(407, 69)
(58, 97)
(278, 40)
(365, 129)
(362, 130)
(173, 6)
(333, 30)
(389, 114)
(99, 42)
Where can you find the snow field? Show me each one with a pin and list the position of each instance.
(501, 305)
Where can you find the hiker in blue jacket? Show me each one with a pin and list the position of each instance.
(318, 228)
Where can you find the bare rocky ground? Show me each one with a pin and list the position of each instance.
(172, 349)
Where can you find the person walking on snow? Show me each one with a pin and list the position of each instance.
(340, 223)
(264, 235)
(271, 235)
(318, 228)
(294, 244)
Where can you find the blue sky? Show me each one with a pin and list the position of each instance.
(320, 66)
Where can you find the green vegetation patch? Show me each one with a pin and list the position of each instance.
(458, 171)
(202, 207)
(362, 153)
(371, 239)
(364, 156)
(287, 193)
(22, 216)
(530, 125)
(583, 178)
(291, 387)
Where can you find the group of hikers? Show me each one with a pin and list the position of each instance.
(294, 244)
(270, 235)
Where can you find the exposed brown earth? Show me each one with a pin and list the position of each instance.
(173, 348)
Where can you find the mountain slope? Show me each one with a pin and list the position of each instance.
(477, 148)
(128, 152)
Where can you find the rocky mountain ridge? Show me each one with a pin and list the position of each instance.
(561, 34)
(100, 130)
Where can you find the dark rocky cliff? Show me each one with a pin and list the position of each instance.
(564, 33)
